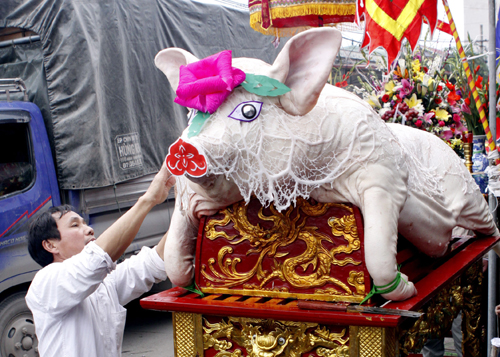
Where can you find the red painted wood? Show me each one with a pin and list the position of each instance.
(209, 249)
(199, 241)
(431, 284)
(178, 299)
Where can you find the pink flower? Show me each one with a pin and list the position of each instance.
(183, 157)
(428, 117)
(418, 123)
(441, 123)
(456, 118)
(465, 108)
(447, 134)
(205, 84)
(407, 87)
(460, 129)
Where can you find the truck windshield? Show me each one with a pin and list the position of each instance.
(16, 164)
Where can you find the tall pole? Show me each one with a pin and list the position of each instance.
(492, 257)
(472, 85)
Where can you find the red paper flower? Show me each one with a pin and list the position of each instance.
(479, 82)
(205, 84)
(453, 97)
(184, 158)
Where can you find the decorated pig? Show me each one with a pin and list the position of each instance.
(279, 132)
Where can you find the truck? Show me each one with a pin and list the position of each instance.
(28, 187)
(86, 119)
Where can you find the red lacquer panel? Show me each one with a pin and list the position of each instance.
(310, 251)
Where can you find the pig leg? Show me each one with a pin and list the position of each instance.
(180, 249)
(381, 207)
(180, 246)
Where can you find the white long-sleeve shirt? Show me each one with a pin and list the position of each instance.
(77, 304)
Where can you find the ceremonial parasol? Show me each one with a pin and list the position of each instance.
(284, 18)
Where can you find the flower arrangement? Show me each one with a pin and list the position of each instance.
(417, 92)
(479, 73)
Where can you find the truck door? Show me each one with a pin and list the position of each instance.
(27, 188)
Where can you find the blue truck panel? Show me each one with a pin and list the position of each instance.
(19, 207)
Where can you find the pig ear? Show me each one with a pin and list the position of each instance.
(304, 65)
(169, 62)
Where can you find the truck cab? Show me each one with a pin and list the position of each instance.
(28, 187)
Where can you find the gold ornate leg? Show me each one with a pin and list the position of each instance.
(468, 151)
(472, 323)
(372, 342)
(188, 340)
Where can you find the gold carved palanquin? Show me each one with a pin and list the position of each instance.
(254, 264)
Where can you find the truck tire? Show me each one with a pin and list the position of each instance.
(17, 330)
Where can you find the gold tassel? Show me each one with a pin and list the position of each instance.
(297, 11)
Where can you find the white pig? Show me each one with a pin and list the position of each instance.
(323, 142)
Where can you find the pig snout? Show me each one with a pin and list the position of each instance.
(206, 182)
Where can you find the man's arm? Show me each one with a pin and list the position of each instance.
(118, 237)
(160, 247)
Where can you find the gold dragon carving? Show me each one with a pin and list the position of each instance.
(439, 315)
(472, 321)
(273, 338)
(285, 231)
(462, 296)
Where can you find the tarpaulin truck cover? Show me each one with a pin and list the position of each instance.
(111, 115)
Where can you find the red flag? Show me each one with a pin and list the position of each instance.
(443, 26)
(389, 21)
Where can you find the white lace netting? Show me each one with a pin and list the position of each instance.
(279, 157)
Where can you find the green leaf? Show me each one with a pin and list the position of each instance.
(197, 123)
(264, 86)
(194, 289)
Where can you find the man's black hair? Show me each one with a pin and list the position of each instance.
(44, 227)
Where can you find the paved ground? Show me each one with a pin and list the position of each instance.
(147, 333)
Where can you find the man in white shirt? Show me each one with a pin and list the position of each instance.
(77, 298)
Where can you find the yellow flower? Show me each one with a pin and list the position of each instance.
(441, 114)
(455, 142)
(413, 101)
(419, 76)
(389, 87)
(430, 84)
(415, 65)
(373, 101)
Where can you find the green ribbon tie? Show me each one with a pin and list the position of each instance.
(384, 289)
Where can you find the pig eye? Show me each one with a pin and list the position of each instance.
(246, 111)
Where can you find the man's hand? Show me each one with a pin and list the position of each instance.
(118, 237)
(497, 310)
(162, 183)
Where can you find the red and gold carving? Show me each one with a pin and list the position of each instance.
(310, 251)
(242, 336)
